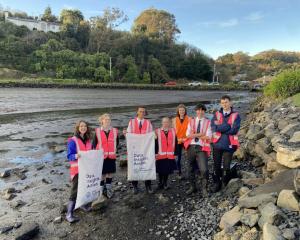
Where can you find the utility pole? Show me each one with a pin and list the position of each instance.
(214, 73)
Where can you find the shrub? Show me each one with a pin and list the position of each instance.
(285, 84)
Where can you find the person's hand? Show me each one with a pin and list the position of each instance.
(77, 155)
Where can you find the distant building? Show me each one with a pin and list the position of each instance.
(33, 24)
(239, 77)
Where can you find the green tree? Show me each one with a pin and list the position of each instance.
(70, 20)
(157, 72)
(157, 24)
(48, 16)
(131, 75)
(146, 78)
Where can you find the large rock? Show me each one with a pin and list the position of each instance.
(255, 132)
(288, 156)
(266, 145)
(276, 140)
(250, 219)
(257, 162)
(27, 231)
(271, 232)
(253, 181)
(231, 218)
(270, 214)
(261, 154)
(288, 199)
(240, 154)
(233, 186)
(255, 201)
(290, 129)
(283, 180)
(5, 173)
(245, 174)
(295, 138)
(273, 166)
(297, 181)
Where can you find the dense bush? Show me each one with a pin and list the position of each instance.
(285, 84)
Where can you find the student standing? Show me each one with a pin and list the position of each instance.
(140, 125)
(79, 142)
(180, 123)
(165, 145)
(225, 127)
(198, 148)
(106, 138)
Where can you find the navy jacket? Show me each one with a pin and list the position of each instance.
(225, 129)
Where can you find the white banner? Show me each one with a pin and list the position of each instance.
(141, 156)
(90, 166)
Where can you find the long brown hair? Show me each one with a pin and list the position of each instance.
(181, 106)
(87, 135)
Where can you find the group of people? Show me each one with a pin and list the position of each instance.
(197, 136)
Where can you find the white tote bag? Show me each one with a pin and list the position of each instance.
(90, 166)
(141, 156)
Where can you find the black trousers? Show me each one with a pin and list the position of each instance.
(147, 183)
(196, 155)
(74, 188)
(225, 157)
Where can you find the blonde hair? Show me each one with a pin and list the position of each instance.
(105, 115)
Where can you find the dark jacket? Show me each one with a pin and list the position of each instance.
(225, 129)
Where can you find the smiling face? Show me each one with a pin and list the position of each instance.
(82, 128)
(181, 112)
(165, 123)
(141, 112)
(226, 104)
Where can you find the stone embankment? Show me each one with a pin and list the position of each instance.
(268, 206)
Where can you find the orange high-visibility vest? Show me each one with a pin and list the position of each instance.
(204, 128)
(181, 127)
(233, 139)
(166, 145)
(109, 145)
(135, 128)
(80, 146)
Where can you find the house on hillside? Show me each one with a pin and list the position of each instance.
(33, 24)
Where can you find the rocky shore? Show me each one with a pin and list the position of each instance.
(268, 205)
(262, 202)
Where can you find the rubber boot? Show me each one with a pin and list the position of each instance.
(109, 191)
(135, 187)
(192, 189)
(226, 177)
(148, 187)
(160, 183)
(217, 185)
(70, 214)
(165, 181)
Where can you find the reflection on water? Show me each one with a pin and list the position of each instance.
(30, 137)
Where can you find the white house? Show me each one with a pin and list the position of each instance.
(33, 24)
